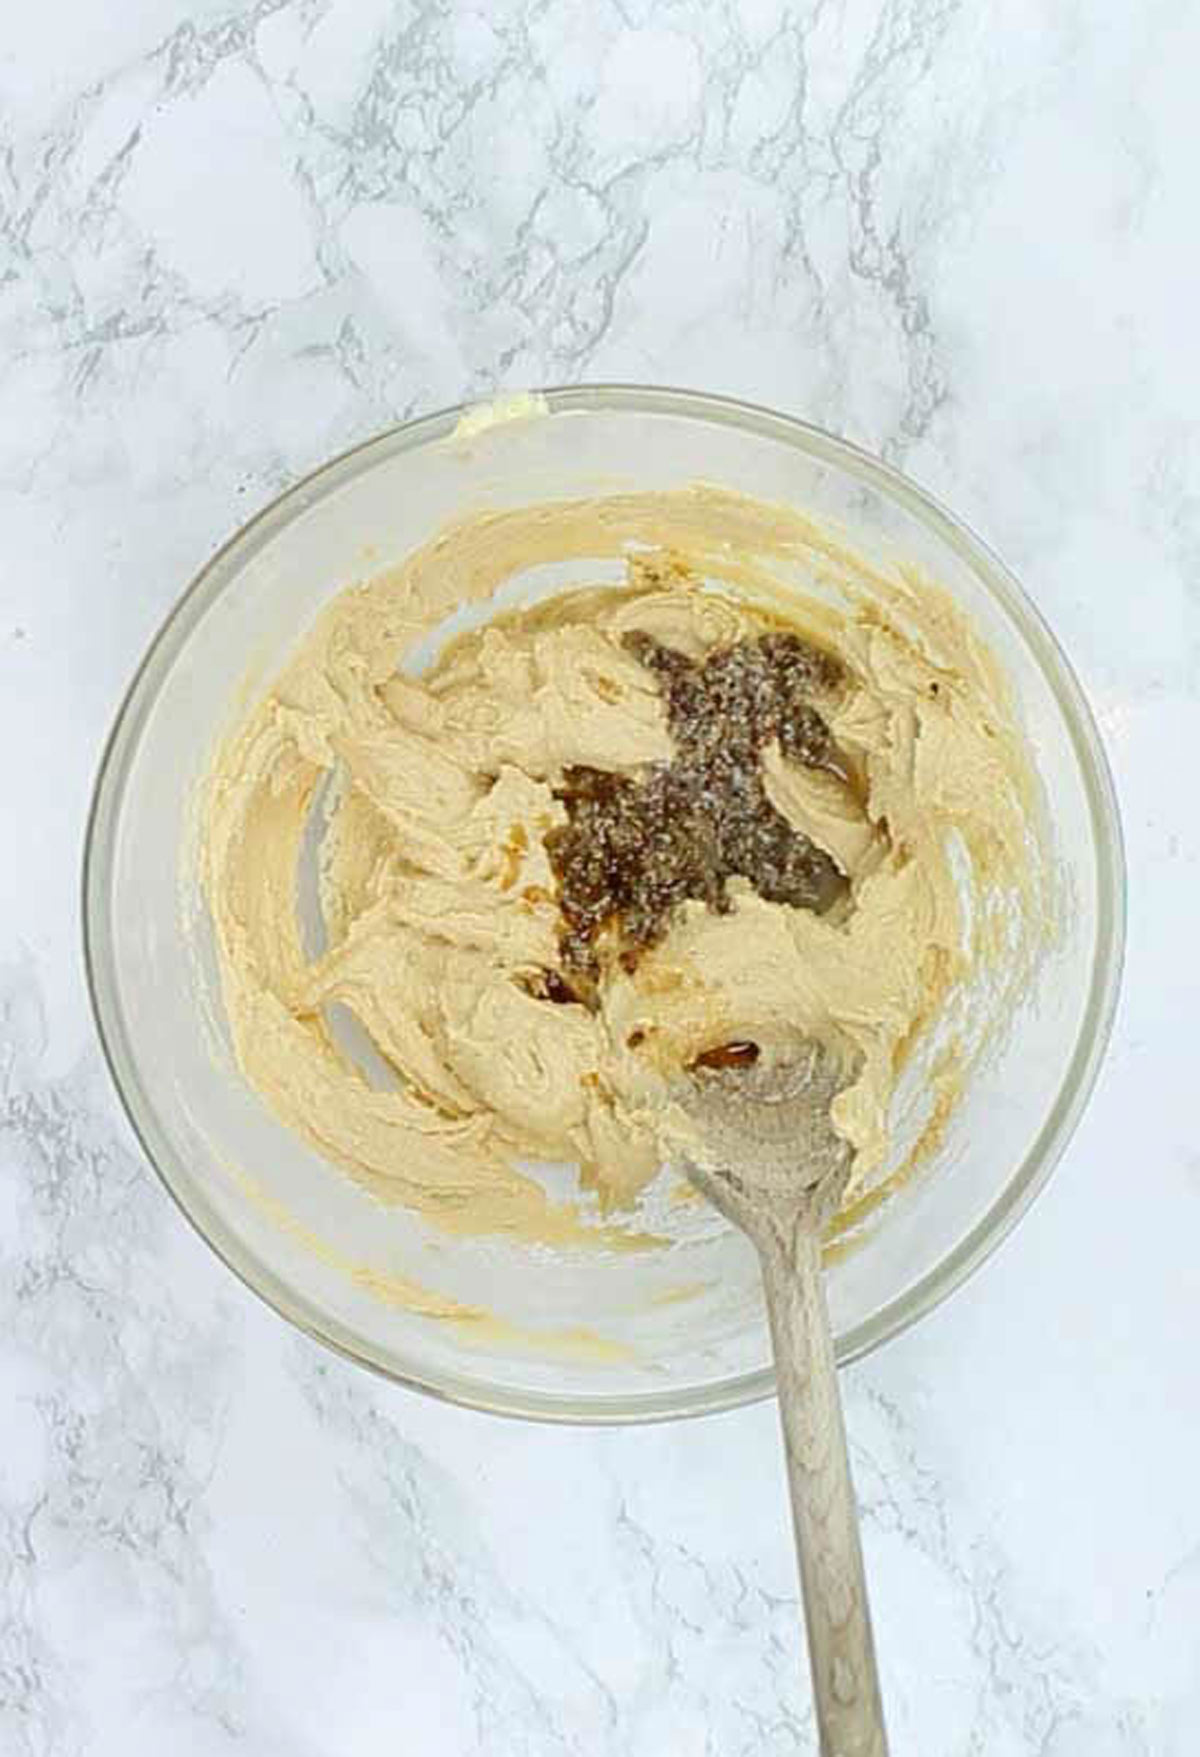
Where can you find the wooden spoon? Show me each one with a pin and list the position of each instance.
(768, 1158)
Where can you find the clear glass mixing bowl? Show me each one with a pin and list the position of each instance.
(684, 1327)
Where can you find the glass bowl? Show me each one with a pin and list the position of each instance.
(590, 1338)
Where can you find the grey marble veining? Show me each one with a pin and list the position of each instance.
(234, 238)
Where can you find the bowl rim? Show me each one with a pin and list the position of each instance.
(1028, 1177)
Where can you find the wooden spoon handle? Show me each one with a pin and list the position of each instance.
(841, 1649)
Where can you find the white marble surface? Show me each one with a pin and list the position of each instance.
(236, 235)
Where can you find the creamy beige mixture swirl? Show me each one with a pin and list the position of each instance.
(436, 792)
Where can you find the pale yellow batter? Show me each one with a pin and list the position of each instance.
(438, 900)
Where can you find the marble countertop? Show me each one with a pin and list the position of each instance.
(238, 235)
